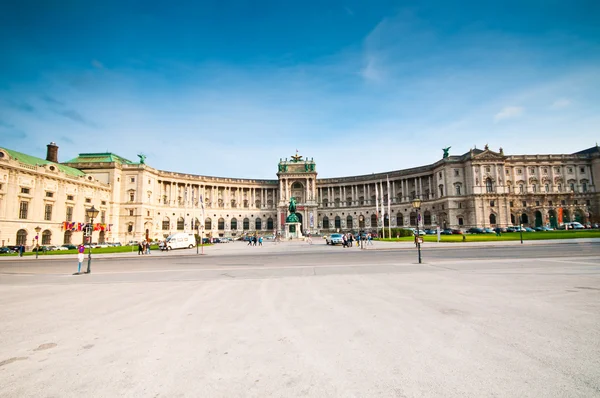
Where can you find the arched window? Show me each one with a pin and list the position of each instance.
(246, 224)
(67, 237)
(234, 224)
(399, 220)
(413, 218)
(166, 224)
(208, 224)
(427, 218)
(221, 224)
(269, 223)
(492, 219)
(325, 222)
(21, 237)
(338, 222)
(373, 221)
(489, 187)
(524, 218)
(46, 237)
(180, 224)
(349, 222)
(258, 224)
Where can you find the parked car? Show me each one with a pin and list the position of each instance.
(52, 248)
(446, 232)
(334, 239)
(489, 231)
(543, 229)
(576, 225)
(431, 231)
(527, 229)
(100, 245)
(115, 244)
(40, 249)
(5, 250)
(475, 230)
(69, 247)
(15, 249)
(457, 232)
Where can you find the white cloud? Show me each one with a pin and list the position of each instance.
(509, 112)
(561, 103)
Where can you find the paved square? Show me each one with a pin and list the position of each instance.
(306, 321)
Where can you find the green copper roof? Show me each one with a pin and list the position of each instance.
(106, 157)
(34, 161)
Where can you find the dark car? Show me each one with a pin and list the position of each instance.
(446, 232)
(70, 247)
(15, 249)
(475, 231)
(457, 232)
(5, 250)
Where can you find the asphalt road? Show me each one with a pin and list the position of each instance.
(297, 320)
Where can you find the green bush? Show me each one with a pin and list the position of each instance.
(401, 232)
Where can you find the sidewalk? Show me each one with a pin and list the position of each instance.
(300, 246)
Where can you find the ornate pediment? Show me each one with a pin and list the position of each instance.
(489, 155)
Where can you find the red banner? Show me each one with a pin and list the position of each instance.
(560, 215)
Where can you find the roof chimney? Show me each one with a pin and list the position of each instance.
(52, 153)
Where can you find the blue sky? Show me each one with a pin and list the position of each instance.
(227, 88)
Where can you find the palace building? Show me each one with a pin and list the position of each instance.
(47, 199)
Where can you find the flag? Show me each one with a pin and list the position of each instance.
(389, 208)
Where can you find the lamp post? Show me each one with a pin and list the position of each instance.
(92, 213)
(37, 240)
(416, 203)
(521, 226)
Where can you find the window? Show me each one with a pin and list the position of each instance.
(458, 189)
(325, 222)
(48, 212)
(584, 187)
(131, 196)
(25, 190)
(572, 186)
(70, 197)
(69, 213)
(46, 237)
(582, 170)
(234, 224)
(531, 170)
(575, 202)
(549, 203)
(441, 187)
(488, 185)
(103, 216)
(258, 224)
(440, 174)
(269, 223)
(246, 224)
(545, 170)
(557, 169)
(534, 188)
(492, 203)
(456, 173)
(166, 224)
(461, 221)
(21, 237)
(460, 205)
(519, 171)
(132, 179)
(49, 194)
(131, 212)
(547, 188)
(88, 200)
(563, 202)
(588, 202)
(511, 203)
(537, 202)
(570, 170)
(559, 186)
(148, 213)
(487, 169)
(23, 207)
(130, 228)
(492, 219)
(103, 203)
(67, 237)
(507, 172)
(221, 224)
(524, 204)
(520, 188)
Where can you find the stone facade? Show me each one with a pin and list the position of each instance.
(481, 188)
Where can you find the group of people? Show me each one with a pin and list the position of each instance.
(348, 238)
(143, 247)
(253, 240)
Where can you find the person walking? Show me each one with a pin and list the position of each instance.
(260, 240)
(254, 240)
(308, 239)
(80, 256)
(21, 250)
(140, 248)
(249, 241)
(369, 239)
(147, 247)
(344, 241)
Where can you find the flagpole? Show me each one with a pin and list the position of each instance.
(382, 211)
(377, 208)
(389, 209)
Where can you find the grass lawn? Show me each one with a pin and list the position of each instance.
(117, 249)
(505, 236)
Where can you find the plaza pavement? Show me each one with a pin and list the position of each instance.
(290, 319)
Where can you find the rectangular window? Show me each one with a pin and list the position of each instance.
(460, 205)
(460, 221)
(487, 169)
(88, 200)
(131, 212)
(507, 172)
(524, 204)
(458, 189)
(23, 207)
(48, 212)
(512, 204)
(70, 197)
(49, 194)
(132, 179)
(103, 203)
(69, 213)
(557, 169)
(537, 202)
(588, 202)
(562, 202)
(103, 216)
(549, 203)
(492, 203)
(519, 171)
(575, 202)
(584, 187)
(534, 188)
(582, 170)
(25, 190)
(131, 197)
(456, 173)
(148, 213)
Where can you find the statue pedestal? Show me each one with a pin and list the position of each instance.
(293, 230)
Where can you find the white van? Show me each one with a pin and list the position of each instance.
(181, 240)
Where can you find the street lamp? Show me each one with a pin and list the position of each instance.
(416, 203)
(92, 213)
(37, 240)
(521, 226)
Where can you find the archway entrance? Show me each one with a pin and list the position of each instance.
(524, 218)
(566, 215)
(553, 219)
(539, 221)
(579, 216)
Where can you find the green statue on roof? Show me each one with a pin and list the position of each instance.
(142, 158)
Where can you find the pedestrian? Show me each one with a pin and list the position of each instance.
(147, 247)
(344, 241)
(358, 240)
(254, 240)
(140, 248)
(21, 250)
(80, 256)
(249, 241)
(350, 240)
(369, 239)
(260, 240)
(308, 239)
